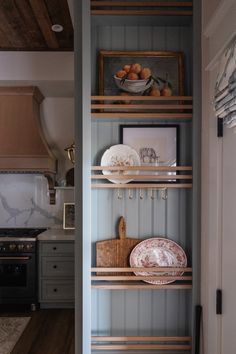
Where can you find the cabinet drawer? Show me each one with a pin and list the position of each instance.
(57, 266)
(57, 247)
(62, 290)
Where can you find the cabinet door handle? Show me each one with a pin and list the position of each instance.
(55, 290)
(55, 266)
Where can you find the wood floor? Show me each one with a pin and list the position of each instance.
(48, 332)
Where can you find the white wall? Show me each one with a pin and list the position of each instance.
(49, 66)
(57, 117)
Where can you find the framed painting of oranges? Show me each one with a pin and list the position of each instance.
(141, 73)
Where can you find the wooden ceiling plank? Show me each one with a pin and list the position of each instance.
(30, 28)
(41, 14)
(7, 26)
(4, 42)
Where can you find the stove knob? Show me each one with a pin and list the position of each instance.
(29, 247)
(20, 247)
(12, 247)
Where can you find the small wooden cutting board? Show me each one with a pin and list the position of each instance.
(115, 252)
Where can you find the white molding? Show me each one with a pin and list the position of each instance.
(217, 17)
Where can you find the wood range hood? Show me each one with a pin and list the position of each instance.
(23, 148)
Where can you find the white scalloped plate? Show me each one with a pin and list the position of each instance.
(120, 155)
(158, 252)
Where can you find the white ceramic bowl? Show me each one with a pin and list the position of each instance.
(133, 86)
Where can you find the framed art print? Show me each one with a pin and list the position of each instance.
(157, 145)
(69, 216)
(159, 66)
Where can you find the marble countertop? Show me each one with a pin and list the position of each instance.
(57, 235)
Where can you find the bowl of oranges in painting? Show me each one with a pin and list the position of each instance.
(135, 79)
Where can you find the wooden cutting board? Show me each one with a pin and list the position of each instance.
(115, 252)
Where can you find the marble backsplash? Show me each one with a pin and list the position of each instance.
(24, 202)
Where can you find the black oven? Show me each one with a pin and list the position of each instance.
(18, 278)
(18, 266)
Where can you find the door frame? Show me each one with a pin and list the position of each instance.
(217, 32)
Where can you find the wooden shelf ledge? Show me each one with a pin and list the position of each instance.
(142, 168)
(141, 339)
(141, 185)
(140, 269)
(138, 277)
(142, 8)
(165, 176)
(142, 286)
(138, 115)
(141, 98)
(174, 107)
(143, 177)
(130, 281)
(142, 342)
(138, 3)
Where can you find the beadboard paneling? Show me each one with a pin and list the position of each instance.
(136, 312)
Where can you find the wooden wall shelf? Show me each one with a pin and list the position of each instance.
(142, 8)
(148, 343)
(170, 179)
(145, 107)
(141, 186)
(130, 281)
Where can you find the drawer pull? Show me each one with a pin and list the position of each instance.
(55, 290)
(55, 266)
(54, 248)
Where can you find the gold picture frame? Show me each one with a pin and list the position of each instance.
(161, 63)
(69, 216)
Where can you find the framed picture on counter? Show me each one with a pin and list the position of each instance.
(69, 216)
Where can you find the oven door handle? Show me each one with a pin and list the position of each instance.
(14, 258)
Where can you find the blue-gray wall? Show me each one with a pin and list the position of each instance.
(146, 312)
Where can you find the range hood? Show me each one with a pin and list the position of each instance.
(23, 148)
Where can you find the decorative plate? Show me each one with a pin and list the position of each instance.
(120, 155)
(158, 252)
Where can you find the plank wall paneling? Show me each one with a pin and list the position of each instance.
(137, 312)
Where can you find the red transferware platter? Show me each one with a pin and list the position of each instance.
(158, 252)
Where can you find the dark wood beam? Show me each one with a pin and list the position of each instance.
(41, 14)
(59, 13)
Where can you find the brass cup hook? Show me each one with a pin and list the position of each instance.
(164, 194)
(130, 194)
(152, 194)
(119, 194)
(140, 194)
